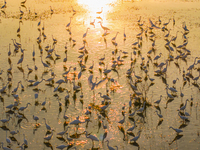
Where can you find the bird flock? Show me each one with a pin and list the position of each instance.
(85, 91)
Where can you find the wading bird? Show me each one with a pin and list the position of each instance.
(92, 137)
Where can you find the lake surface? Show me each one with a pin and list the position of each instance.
(44, 23)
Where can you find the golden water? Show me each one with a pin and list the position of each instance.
(116, 15)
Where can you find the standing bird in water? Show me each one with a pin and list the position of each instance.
(104, 28)
(85, 34)
(92, 137)
(177, 130)
(113, 39)
(124, 35)
(68, 25)
(158, 101)
(135, 138)
(51, 10)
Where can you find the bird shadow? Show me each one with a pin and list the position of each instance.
(168, 101)
(61, 139)
(14, 139)
(159, 123)
(47, 144)
(5, 128)
(178, 136)
(135, 144)
(158, 108)
(122, 130)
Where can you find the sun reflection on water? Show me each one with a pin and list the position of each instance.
(97, 5)
(97, 9)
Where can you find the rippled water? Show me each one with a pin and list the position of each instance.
(118, 16)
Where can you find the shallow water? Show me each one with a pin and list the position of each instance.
(117, 16)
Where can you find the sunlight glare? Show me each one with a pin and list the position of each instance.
(96, 5)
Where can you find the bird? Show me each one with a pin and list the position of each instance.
(5, 148)
(68, 138)
(39, 22)
(44, 103)
(87, 111)
(44, 64)
(135, 138)
(174, 81)
(15, 89)
(177, 130)
(18, 30)
(132, 114)
(60, 81)
(65, 116)
(113, 39)
(92, 137)
(37, 82)
(75, 87)
(159, 115)
(184, 106)
(30, 81)
(182, 117)
(48, 137)
(165, 24)
(104, 126)
(122, 121)
(131, 128)
(1, 72)
(25, 141)
(36, 118)
(105, 97)
(23, 108)
(7, 139)
(171, 88)
(109, 147)
(124, 34)
(104, 107)
(29, 69)
(9, 52)
(62, 146)
(68, 25)
(47, 126)
(141, 109)
(21, 147)
(51, 10)
(14, 132)
(158, 101)
(74, 11)
(157, 57)
(76, 121)
(50, 79)
(104, 28)
(63, 132)
(85, 34)
(169, 95)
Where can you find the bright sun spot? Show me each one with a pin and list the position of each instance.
(95, 6)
